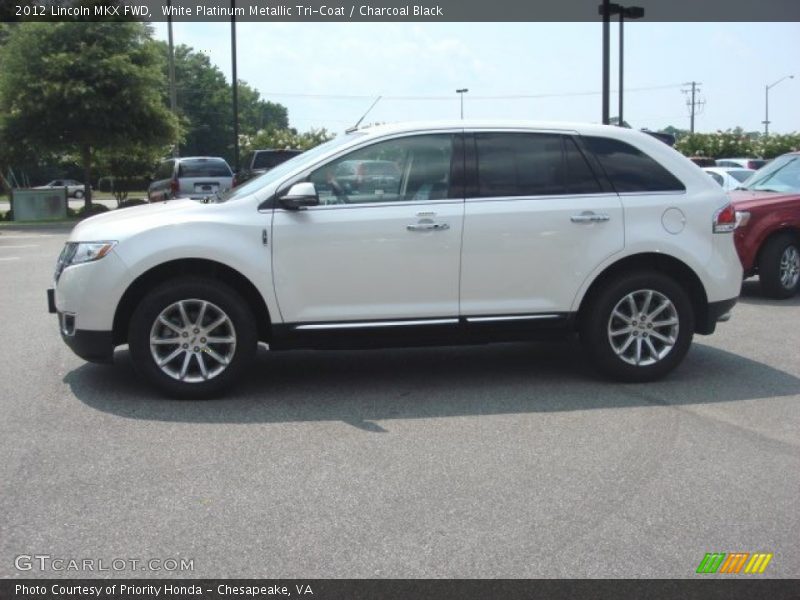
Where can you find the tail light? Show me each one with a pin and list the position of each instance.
(725, 219)
(234, 181)
(174, 188)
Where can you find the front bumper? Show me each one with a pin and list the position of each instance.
(94, 346)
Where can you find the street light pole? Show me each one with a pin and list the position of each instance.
(461, 92)
(767, 88)
(631, 12)
(605, 11)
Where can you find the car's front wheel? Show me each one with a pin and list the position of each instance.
(192, 338)
(78, 194)
(638, 326)
(779, 266)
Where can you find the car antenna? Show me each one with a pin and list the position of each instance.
(355, 127)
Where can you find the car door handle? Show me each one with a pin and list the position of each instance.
(428, 227)
(589, 217)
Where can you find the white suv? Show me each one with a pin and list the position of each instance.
(485, 231)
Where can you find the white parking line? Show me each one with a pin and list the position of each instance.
(10, 258)
(19, 246)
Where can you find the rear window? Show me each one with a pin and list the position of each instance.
(631, 170)
(204, 167)
(268, 160)
(164, 170)
(740, 175)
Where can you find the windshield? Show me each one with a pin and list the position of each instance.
(741, 174)
(781, 175)
(287, 167)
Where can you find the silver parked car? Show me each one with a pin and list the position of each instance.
(195, 177)
(75, 189)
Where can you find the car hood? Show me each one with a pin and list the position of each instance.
(746, 200)
(122, 223)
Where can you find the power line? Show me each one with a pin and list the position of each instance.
(450, 98)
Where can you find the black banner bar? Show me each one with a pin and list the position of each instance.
(701, 588)
(393, 10)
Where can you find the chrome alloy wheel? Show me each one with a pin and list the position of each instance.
(790, 267)
(192, 340)
(643, 327)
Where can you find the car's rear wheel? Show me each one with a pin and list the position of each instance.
(78, 194)
(638, 326)
(779, 266)
(192, 338)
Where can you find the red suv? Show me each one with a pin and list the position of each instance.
(768, 232)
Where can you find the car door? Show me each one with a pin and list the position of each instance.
(160, 187)
(537, 222)
(388, 250)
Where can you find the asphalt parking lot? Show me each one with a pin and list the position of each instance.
(510, 460)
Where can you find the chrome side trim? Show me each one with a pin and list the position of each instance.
(511, 318)
(365, 324)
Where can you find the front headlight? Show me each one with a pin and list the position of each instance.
(75, 253)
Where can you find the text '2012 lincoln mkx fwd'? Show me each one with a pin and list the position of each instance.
(413, 234)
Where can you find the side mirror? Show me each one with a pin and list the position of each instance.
(299, 196)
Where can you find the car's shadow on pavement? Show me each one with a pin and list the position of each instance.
(752, 294)
(361, 387)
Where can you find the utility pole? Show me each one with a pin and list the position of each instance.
(235, 82)
(693, 102)
(173, 100)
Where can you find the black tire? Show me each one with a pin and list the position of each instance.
(193, 293)
(596, 323)
(78, 194)
(776, 282)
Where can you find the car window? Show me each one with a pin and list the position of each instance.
(268, 160)
(740, 174)
(630, 169)
(531, 164)
(164, 170)
(716, 177)
(580, 177)
(405, 169)
(203, 167)
(519, 164)
(781, 175)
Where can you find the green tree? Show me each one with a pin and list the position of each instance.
(126, 171)
(82, 88)
(205, 105)
(256, 114)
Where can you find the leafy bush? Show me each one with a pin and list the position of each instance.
(733, 144)
(94, 209)
(285, 139)
(132, 202)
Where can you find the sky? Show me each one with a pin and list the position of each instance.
(328, 74)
